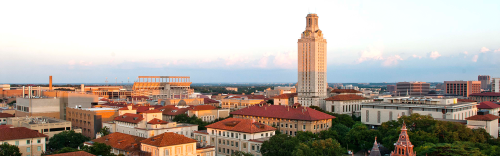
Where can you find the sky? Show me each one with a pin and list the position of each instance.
(246, 41)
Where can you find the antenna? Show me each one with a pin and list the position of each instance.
(106, 81)
(116, 80)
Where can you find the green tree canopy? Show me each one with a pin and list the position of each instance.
(9, 150)
(66, 139)
(240, 153)
(319, 147)
(279, 145)
(104, 131)
(98, 149)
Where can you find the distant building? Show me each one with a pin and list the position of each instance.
(486, 96)
(235, 89)
(121, 143)
(391, 88)
(288, 119)
(403, 147)
(90, 119)
(346, 104)
(350, 86)
(235, 102)
(463, 88)
(485, 81)
(169, 143)
(285, 99)
(269, 93)
(344, 92)
(49, 107)
(45, 125)
(375, 113)
(412, 88)
(28, 141)
(4, 117)
(235, 134)
(163, 87)
(495, 85)
(486, 121)
(206, 113)
(208, 101)
(492, 107)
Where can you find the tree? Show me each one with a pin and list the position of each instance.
(98, 149)
(319, 147)
(9, 150)
(66, 150)
(241, 153)
(104, 131)
(360, 137)
(446, 149)
(279, 145)
(66, 139)
(11, 103)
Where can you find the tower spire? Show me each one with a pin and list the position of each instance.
(403, 147)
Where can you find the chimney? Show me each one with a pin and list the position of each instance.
(129, 107)
(82, 88)
(39, 91)
(50, 82)
(24, 96)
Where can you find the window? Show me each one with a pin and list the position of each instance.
(28, 142)
(39, 148)
(213, 132)
(244, 145)
(28, 149)
(219, 133)
(219, 141)
(223, 133)
(232, 143)
(314, 126)
(244, 136)
(236, 143)
(219, 150)
(304, 127)
(253, 147)
(223, 150)
(232, 135)
(39, 141)
(223, 141)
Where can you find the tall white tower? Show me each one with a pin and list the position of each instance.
(312, 83)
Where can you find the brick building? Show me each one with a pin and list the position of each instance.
(90, 119)
(462, 88)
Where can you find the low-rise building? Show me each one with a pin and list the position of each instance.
(235, 102)
(288, 119)
(206, 113)
(344, 91)
(285, 99)
(169, 143)
(90, 119)
(486, 121)
(44, 125)
(463, 88)
(49, 107)
(77, 153)
(495, 85)
(492, 107)
(236, 134)
(346, 104)
(486, 96)
(209, 101)
(29, 142)
(148, 124)
(4, 117)
(377, 112)
(121, 143)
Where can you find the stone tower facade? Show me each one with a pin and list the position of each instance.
(312, 83)
(403, 147)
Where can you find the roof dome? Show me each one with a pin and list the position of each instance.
(182, 103)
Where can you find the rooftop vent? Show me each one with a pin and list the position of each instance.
(135, 118)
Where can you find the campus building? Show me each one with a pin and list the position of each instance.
(285, 99)
(45, 125)
(346, 104)
(207, 113)
(235, 102)
(90, 120)
(462, 88)
(29, 142)
(412, 88)
(162, 87)
(485, 96)
(169, 143)
(485, 81)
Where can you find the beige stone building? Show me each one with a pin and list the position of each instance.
(236, 134)
(163, 87)
(45, 125)
(49, 107)
(189, 101)
(346, 104)
(288, 119)
(269, 93)
(90, 119)
(4, 117)
(235, 102)
(206, 113)
(486, 121)
(492, 107)
(285, 99)
(169, 143)
(312, 83)
(29, 142)
(375, 113)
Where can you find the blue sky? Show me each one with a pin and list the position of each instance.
(252, 41)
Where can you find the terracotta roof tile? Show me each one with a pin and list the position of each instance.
(465, 100)
(152, 111)
(345, 97)
(283, 112)
(130, 118)
(285, 96)
(208, 101)
(171, 110)
(19, 133)
(487, 117)
(338, 91)
(6, 115)
(77, 153)
(488, 105)
(485, 94)
(157, 121)
(121, 141)
(241, 125)
(201, 107)
(168, 139)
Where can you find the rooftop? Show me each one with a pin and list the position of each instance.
(241, 125)
(338, 91)
(488, 105)
(130, 118)
(168, 139)
(97, 109)
(121, 141)
(283, 112)
(77, 153)
(345, 97)
(486, 117)
(19, 133)
(285, 96)
(6, 115)
(485, 94)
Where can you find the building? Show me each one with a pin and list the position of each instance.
(4, 117)
(486, 121)
(346, 104)
(344, 92)
(187, 101)
(77, 153)
(289, 119)
(169, 143)
(412, 88)
(495, 85)
(492, 107)
(485, 81)
(232, 89)
(121, 143)
(236, 134)
(162, 87)
(48, 107)
(45, 125)
(279, 90)
(29, 142)
(208, 101)
(391, 89)
(285, 99)
(148, 124)
(403, 147)
(375, 149)
(207, 113)
(377, 112)
(235, 102)
(110, 92)
(312, 51)
(463, 88)
(485, 96)
(90, 119)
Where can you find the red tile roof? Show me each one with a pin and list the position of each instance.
(77, 153)
(201, 107)
(345, 97)
(157, 121)
(152, 111)
(6, 115)
(338, 91)
(283, 112)
(487, 117)
(208, 101)
(130, 118)
(285, 96)
(168, 139)
(171, 110)
(465, 100)
(485, 94)
(19, 133)
(241, 125)
(142, 109)
(6, 126)
(121, 141)
(488, 105)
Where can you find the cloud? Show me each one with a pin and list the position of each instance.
(83, 63)
(465, 52)
(498, 50)
(474, 59)
(484, 49)
(416, 56)
(371, 54)
(434, 55)
(392, 61)
(287, 60)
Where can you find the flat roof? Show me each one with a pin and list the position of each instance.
(98, 109)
